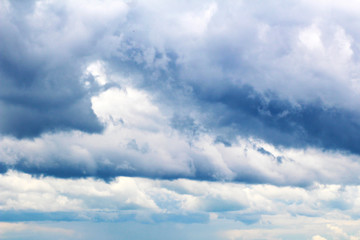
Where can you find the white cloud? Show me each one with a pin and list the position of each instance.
(228, 200)
(318, 237)
(97, 70)
(139, 140)
(197, 23)
(287, 227)
(311, 38)
(339, 232)
(129, 106)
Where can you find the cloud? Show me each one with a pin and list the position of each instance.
(287, 84)
(27, 198)
(203, 112)
(43, 59)
(275, 93)
(292, 85)
(318, 237)
(282, 227)
(340, 232)
(141, 138)
(228, 210)
(279, 122)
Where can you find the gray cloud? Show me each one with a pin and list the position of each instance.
(233, 116)
(216, 71)
(44, 53)
(292, 84)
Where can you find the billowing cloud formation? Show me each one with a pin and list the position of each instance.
(44, 52)
(293, 84)
(272, 212)
(210, 112)
(141, 140)
(159, 200)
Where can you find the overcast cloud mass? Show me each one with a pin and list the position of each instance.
(124, 119)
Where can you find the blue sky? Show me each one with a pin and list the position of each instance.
(221, 120)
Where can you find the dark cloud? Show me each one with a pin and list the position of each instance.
(21, 121)
(239, 110)
(60, 168)
(280, 122)
(118, 166)
(41, 88)
(3, 168)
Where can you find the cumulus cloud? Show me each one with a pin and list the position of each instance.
(205, 91)
(262, 211)
(134, 197)
(143, 139)
(293, 84)
(44, 52)
(288, 84)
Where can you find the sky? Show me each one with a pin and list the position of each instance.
(216, 120)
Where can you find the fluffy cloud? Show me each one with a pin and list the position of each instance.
(44, 51)
(293, 84)
(263, 103)
(90, 198)
(263, 211)
(144, 139)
